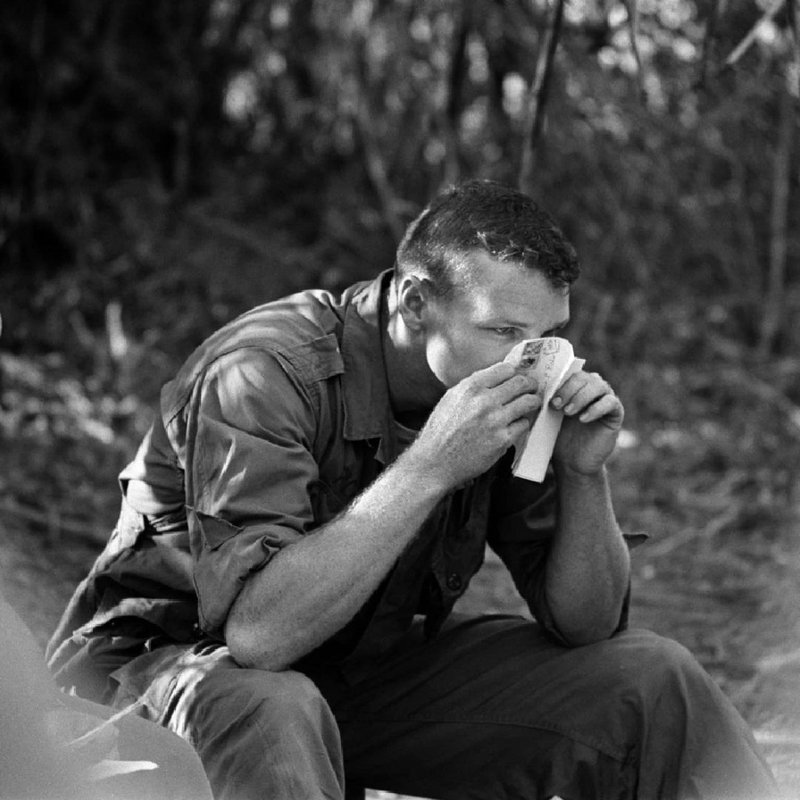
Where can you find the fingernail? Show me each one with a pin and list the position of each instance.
(569, 409)
(557, 401)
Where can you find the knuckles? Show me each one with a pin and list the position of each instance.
(526, 382)
(597, 378)
(533, 402)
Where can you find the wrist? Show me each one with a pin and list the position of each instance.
(426, 475)
(569, 475)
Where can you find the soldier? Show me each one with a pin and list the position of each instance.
(316, 492)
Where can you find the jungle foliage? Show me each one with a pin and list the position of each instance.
(168, 164)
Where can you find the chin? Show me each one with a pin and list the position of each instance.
(449, 381)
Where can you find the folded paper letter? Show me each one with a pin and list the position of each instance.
(551, 361)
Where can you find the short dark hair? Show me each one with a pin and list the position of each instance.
(482, 214)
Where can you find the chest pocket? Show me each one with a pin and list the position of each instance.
(326, 503)
(343, 474)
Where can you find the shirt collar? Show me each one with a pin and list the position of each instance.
(367, 410)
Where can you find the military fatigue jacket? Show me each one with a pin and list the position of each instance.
(268, 431)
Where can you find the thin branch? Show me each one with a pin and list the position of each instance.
(706, 534)
(90, 735)
(455, 82)
(793, 9)
(748, 40)
(622, 235)
(231, 230)
(376, 170)
(458, 65)
(374, 161)
(632, 7)
(238, 20)
(714, 14)
(774, 300)
(54, 522)
(538, 98)
(748, 383)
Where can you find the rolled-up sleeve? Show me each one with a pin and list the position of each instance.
(250, 426)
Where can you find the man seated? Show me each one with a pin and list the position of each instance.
(314, 495)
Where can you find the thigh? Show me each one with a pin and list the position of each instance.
(492, 707)
(258, 733)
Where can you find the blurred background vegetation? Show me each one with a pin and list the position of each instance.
(168, 164)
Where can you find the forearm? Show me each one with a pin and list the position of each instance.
(313, 588)
(588, 568)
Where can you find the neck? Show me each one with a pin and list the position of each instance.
(413, 389)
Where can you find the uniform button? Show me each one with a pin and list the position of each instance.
(454, 581)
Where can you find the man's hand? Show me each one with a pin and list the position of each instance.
(475, 423)
(593, 418)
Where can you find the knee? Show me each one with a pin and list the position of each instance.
(263, 734)
(660, 669)
(253, 702)
(658, 653)
(280, 696)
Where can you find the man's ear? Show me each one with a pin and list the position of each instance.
(413, 301)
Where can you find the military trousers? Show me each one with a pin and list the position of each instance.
(491, 709)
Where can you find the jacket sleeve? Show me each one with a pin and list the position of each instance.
(250, 472)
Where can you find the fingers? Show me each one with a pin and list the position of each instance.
(492, 376)
(607, 409)
(587, 396)
(504, 382)
(579, 391)
(524, 407)
(505, 400)
(517, 429)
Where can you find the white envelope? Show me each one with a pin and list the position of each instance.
(551, 361)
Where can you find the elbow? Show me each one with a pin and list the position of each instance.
(580, 627)
(592, 618)
(253, 651)
(580, 636)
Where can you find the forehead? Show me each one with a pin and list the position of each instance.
(490, 289)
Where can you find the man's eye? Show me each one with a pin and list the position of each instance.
(505, 331)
